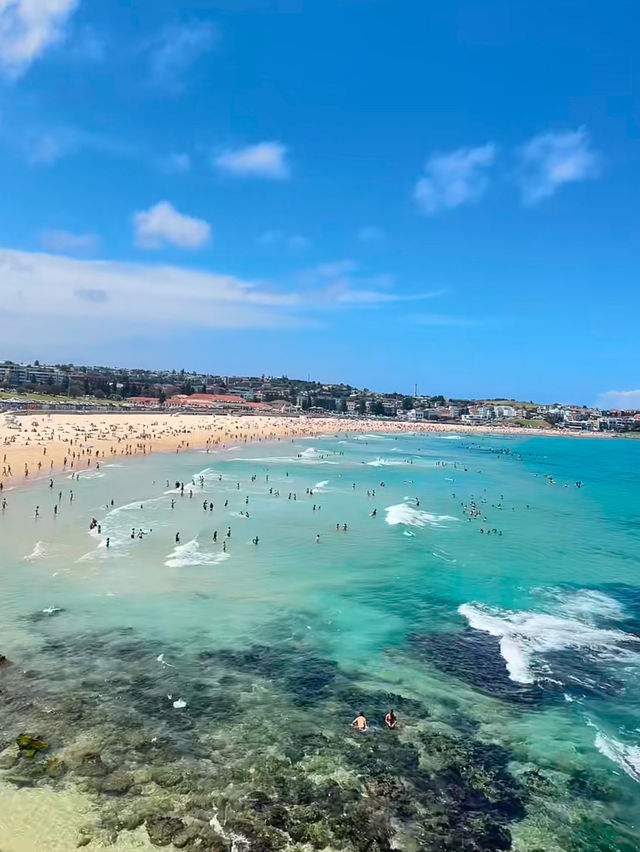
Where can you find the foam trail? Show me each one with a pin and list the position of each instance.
(524, 634)
(320, 486)
(406, 515)
(626, 756)
(189, 553)
(38, 552)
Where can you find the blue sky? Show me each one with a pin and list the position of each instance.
(376, 192)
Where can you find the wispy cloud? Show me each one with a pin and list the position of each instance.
(453, 179)
(28, 28)
(264, 160)
(280, 239)
(370, 234)
(68, 242)
(379, 297)
(551, 160)
(340, 284)
(84, 44)
(176, 49)
(162, 225)
(43, 145)
(175, 164)
(44, 149)
(444, 320)
(624, 400)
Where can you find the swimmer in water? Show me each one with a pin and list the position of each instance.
(390, 720)
(360, 723)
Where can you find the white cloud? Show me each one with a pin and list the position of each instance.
(105, 300)
(28, 28)
(454, 179)
(176, 164)
(370, 234)
(294, 242)
(628, 400)
(173, 51)
(65, 241)
(163, 225)
(550, 160)
(265, 160)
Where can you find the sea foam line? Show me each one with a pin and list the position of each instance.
(524, 634)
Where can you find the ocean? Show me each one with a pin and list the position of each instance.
(485, 588)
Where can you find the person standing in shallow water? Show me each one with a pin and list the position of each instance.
(360, 723)
(390, 720)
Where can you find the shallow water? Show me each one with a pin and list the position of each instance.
(218, 686)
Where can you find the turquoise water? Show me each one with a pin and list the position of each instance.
(490, 601)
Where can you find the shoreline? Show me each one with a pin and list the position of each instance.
(36, 446)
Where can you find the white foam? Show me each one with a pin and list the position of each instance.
(444, 557)
(38, 552)
(368, 437)
(406, 515)
(179, 704)
(626, 756)
(590, 604)
(50, 610)
(320, 486)
(450, 437)
(87, 473)
(188, 554)
(304, 458)
(524, 634)
(384, 463)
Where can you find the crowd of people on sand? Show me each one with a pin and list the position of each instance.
(44, 443)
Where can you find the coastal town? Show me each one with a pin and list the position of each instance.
(64, 387)
(67, 387)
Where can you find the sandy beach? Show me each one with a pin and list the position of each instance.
(39, 444)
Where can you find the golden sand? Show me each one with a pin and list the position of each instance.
(36, 445)
(39, 819)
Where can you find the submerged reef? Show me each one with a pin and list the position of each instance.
(254, 748)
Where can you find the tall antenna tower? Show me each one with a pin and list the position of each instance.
(415, 390)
